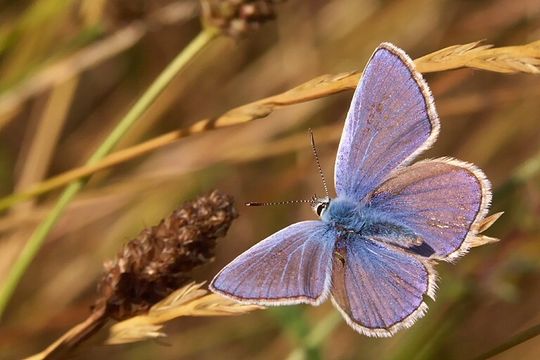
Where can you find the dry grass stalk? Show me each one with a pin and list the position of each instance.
(190, 300)
(150, 268)
(316, 88)
(511, 59)
(484, 225)
(508, 59)
(73, 336)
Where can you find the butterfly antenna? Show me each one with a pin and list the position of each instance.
(318, 162)
(278, 202)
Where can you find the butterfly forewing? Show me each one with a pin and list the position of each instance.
(291, 266)
(391, 119)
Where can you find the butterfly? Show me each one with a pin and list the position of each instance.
(373, 249)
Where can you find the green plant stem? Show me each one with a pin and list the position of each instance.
(319, 333)
(516, 340)
(37, 238)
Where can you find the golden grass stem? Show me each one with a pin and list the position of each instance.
(44, 138)
(139, 108)
(508, 59)
(514, 341)
(89, 169)
(72, 337)
(524, 58)
(190, 300)
(258, 109)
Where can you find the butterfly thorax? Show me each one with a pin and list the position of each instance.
(344, 214)
(351, 217)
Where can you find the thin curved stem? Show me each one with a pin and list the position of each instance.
(514, 341)
(317, 335)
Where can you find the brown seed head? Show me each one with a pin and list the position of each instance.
(158, 260)
(236, 17)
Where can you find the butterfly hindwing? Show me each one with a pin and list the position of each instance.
(391, 119)
(377, 288)
(442, 201)
(291, 266)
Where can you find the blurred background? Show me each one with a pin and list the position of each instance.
(70, 69)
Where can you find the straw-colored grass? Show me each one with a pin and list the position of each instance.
(510, 59)
(190, 300)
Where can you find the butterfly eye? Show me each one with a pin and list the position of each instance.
(320, 208)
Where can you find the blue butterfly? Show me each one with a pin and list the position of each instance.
(373, 249)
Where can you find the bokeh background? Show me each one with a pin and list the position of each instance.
(69, 69)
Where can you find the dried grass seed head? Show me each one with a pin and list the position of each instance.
(158, 260)
(237, 17)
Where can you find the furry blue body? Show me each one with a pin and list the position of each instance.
(354, 217)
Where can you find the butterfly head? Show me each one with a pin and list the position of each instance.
(319, 205)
